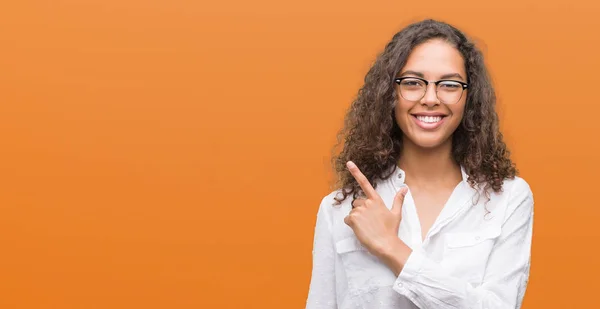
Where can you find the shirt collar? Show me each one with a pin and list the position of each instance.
(399, 173)
(458, 200)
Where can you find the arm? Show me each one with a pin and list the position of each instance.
(321, 294)
(429, 285)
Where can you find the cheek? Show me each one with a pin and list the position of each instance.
(457, 114)
(401, 114)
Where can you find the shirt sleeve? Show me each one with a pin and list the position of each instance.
(321, 294)
(429, 285)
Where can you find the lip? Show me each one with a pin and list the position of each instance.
(429, 114)
(428, 126)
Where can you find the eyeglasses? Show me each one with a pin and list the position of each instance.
(447, 91)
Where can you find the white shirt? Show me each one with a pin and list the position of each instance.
(470, 258)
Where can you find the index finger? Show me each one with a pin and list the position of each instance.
(363, 182)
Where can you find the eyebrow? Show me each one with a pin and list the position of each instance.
(421, 75)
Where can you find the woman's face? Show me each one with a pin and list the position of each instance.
(427, 122)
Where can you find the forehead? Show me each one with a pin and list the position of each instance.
(435, 58)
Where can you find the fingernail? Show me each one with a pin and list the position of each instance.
(403, 190)
(350, 164)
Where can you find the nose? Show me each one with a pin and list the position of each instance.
(430, 98)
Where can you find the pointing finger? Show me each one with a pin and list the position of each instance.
(363, 182)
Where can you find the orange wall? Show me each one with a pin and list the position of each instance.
(172, 154)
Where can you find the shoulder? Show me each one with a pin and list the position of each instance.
(516, 195)
(329, 200)
(330, 208)
(517, 189)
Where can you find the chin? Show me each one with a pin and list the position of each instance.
(429, 142)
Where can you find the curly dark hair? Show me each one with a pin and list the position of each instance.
(372, 139)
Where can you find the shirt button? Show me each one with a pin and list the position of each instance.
(399, 284)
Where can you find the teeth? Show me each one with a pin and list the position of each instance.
(429, 119)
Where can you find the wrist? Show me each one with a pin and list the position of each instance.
(394, 253)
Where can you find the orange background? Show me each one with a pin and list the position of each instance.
(172, 154)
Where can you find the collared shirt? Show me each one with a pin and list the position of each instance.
(475, 255)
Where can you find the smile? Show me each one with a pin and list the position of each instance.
(429, 119)
(428, 122)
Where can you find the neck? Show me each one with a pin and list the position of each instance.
(429, 166)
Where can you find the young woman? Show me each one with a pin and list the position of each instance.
(430, 212)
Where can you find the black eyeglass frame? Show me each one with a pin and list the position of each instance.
(464, 85)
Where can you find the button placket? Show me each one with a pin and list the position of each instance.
(399, 179)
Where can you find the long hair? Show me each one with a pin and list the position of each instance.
(372, 139)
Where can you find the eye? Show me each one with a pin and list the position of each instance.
(449, 85)
(412, 83)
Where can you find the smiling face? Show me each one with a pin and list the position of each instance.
(425, 121)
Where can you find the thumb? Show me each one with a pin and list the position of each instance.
(399, 200)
